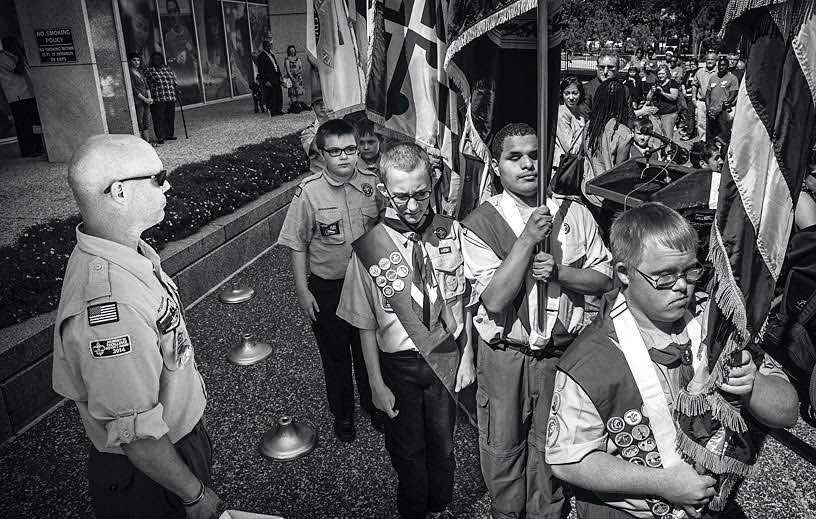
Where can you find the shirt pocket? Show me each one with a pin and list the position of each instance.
(450, 270)
(369, 216)
(330, 229)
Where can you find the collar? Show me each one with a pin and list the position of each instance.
(142, 265)
(355, 181)
(390, 212)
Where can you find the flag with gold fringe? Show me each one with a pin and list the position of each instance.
(772, 135)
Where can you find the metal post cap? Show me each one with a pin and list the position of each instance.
(236, 294)
(249, 351)
(288, 440)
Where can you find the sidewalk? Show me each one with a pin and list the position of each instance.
(34, 191)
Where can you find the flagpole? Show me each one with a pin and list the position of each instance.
(543, 144)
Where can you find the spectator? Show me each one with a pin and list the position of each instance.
(608, 139)
(644, 145)
(637, 62)
(650, 67)
(664, 95)
(571, 122)
(734, 66)
(369, 144)
(271, 78)
(17, 88)
(162, 84)
(141, 95)
(701, 80)
(294, 71)
(634, 84)
(720, 97)
(706, 155)
(608, 62)
(676, 69)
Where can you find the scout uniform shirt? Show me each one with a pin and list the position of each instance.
(121, 348)
(575, 242)
(365, 307)
(326, 215)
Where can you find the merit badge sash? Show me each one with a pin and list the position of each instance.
(392, 272)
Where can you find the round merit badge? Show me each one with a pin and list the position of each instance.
(632, 417)
(630, 451)
(641, 432)
(653, 459)
(623, 439)
(399, 285)
(660, 508)
(388, 291)
(637, 461)
(615, 424)
(441, 233)
(384, 263)
(395, 257)
(374, 270)
(391, 275)
(368, 190)
(552, 431)
(647, 445)
(402, 271)
(381, 281)
(451, 283)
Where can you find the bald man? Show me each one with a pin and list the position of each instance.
(121, 348)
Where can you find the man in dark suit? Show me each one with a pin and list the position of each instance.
(270, 75)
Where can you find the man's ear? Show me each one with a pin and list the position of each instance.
(117, 192)
(622, 272)
(495, 165)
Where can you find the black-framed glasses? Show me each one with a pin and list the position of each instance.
(159, 177)
(665, 281)
(607, 67)
(335, 152)
(401, 199)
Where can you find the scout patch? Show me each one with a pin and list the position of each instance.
(391, 274)
(399, 285)
(374, 270)
(444, 250)
(615, 424)
(553, 429)
(660, 509)
(556, 402)
(653, 459)
(441, 233)
(632, 417)
(566, 228)
(102, 314)
(168, 316)
(298, 191)
(637, 461)
(395, 257)
(623, 439)
(384, 263)
(103, 348)
(368, 190)
(388, 291)
(402, 271)
(641, 432)
(630, 451)
(330, 229)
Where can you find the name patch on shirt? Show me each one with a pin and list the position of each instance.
(102, 314)
(444, 250)
(113, 347)
(330, 229)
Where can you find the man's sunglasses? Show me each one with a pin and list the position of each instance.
(335, 152)
(159, 177)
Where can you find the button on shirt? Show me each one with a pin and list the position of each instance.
(364, 306)
(326, 215)
(575, 242)
(121, 348)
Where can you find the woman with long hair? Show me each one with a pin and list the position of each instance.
(607, 139)
(571, 118)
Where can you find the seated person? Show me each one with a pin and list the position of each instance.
(604, 436)
(644, 144)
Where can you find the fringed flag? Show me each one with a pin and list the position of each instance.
(492, 58)
(409, 94)
(772, 135)
(331, 43)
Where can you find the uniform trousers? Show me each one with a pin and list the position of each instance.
(340, 348)
(513, 405)
(119, 490)
(164, 116)
(420, 438)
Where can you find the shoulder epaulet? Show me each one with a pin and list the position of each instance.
(99, 284)
(311, 178)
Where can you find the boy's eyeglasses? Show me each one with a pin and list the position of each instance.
(159, 177)
(665, 281)
(401, 199)
(335, 152)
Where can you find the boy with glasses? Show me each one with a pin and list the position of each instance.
(613, 432)
(406, 291)
(330, 210)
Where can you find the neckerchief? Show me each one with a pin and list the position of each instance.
(675, 355)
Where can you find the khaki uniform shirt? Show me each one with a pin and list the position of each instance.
(363, 305)
(121, 348)
(326, 215)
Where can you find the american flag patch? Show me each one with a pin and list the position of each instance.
(103, 313)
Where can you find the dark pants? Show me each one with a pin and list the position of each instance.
(274, 99)
(513, 404)
(420, 438)
(339, 345)
(26, 116)
(119, 490)
(164, 116)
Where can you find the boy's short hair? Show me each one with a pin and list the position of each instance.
(405, 156)
(333, 127)
(510, 130)
(643, 123)
(366, 127)
(700, 153)
(649, 225)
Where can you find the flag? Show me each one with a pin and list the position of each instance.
(331, 43)
(772, 135)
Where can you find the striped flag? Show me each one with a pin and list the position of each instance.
(772, 135)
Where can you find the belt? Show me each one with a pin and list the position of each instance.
(536, 353)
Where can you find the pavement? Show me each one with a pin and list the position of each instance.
(33, 190)
(43, 469)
